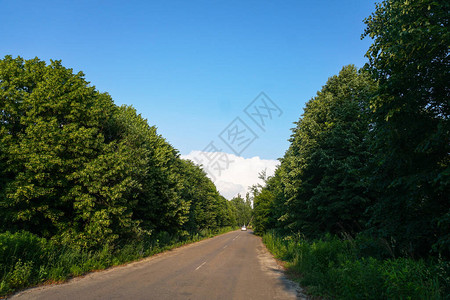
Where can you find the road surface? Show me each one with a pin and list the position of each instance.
(235, 265)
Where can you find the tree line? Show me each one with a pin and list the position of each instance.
(79, 170)
(370, 154)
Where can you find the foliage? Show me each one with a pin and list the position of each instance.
(322, 170)
(371, 151)
(411, 117)
(28, 259)
(242, 209)
(335, 268)
(269, 203)
(85, 184)
(369, 161)
(79, 170)
(20, 245)
(64, 166)
(208, 209)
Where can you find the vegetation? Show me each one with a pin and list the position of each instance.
(359, 204)
(358, 207)
(26, 259)
(83, 179)
(359, 268)
(242, 209)
(411, 115)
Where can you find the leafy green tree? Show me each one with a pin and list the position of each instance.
(233, 212)
(208, 209)
(66, 170)
(323, 166)
(76, 168)
(225, 214)
(158, 205)
(243, 210)
(409, 57)
(269, 203)
(203, 197)
(3, 180)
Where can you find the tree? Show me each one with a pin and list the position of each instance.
(243, 210)
(409, 57)
(203, 197)
(59, 149)
(159, 204)
(269, 203)
(76, 168)
(328, 152)
(225, 215)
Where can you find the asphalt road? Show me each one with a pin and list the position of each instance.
(235, 265)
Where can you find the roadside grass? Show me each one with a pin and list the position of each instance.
(361, 268)
(27, 260)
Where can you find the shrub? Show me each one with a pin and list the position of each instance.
(359, 279)
(367, 246)
(21, 274)
(23, 246)
(345, 269)
(409, 279)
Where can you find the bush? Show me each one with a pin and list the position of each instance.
(23, 246)
(21, 274)
(359, 279)
(367, 246)
(344, 269)
(318, 260)
(409, 279)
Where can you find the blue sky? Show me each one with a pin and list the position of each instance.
(191, 67)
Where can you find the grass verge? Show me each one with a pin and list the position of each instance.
(27, 260)
(333, 268)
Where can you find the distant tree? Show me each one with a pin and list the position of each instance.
(243, 210)
(225, 214)
(205, 201)
(269, 203)
(410, 59)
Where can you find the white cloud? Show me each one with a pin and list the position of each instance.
(229, 189)
(240, 174)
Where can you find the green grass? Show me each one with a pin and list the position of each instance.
(27, 260)
(359, 269)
